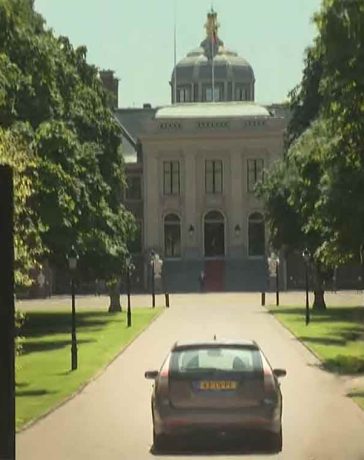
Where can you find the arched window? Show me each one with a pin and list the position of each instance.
(214, 217)
(256, 235)
(172, 236)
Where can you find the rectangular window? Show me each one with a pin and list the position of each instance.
(224, 359)
(255, 173)
(171, 179)
(209, 97)
(133, 188)
(241, 93)
(208, 94)
(213, 176)
(183, 95)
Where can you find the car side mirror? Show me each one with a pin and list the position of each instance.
(152, 375)
(279, 372)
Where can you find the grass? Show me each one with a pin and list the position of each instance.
(43, 376)
(336, 336)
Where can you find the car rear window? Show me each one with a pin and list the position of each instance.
(216, 359)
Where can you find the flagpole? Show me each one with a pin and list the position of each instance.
(213, 40)
(175, 54)
(213, 72)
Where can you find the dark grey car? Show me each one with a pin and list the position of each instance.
(217, 387)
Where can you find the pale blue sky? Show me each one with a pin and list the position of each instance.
(135, 38)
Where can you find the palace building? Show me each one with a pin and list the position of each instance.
(192, 167)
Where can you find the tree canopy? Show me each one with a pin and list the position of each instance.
(47, 87)
(315, 194)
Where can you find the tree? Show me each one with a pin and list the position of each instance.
(318, 189)
(341, 27)
(47, 84)
(290, 194)
(306, 99)
(15, 152)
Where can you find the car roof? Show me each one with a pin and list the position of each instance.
(183, 345)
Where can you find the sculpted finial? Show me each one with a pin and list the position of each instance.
(212, 26)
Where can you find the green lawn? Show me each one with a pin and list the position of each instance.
(43, 376)
(336, 336)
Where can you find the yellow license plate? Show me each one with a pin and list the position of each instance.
(218, 385)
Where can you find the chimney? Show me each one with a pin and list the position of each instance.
(111, 84)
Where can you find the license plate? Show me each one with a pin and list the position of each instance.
(217, 385)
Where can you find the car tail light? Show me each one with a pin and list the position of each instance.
(269, 381)
(164, 373)
(162, 390)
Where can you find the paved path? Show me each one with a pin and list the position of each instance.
(111, 418)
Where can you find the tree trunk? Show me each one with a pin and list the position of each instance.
(114, 293)
(318, 289)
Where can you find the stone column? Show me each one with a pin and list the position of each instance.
(190, 249)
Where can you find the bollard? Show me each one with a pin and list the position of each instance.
(167, 299)
(263, 299)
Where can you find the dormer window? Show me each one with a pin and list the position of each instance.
(183, 94)
(209, 97)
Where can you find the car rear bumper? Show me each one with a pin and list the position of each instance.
(175, 421)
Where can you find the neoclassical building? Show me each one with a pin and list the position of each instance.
(192, 167)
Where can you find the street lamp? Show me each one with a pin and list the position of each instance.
(273, 262)
(306, 257)
(237, 230)
(128, 269)
(72, 264)
(152, 263)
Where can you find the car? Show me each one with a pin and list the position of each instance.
(217, 387)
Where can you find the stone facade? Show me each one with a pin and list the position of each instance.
(190, 143)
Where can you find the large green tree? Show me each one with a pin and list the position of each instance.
(47, 83)
(341, 27)
(14, 151)
(290, 194)
(319, 188)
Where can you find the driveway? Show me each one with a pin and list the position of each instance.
(110, 419)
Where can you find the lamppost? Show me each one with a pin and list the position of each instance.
(273, 262)
(72, 263)
(152, 263)
(128, 269)
(306, 257)
(7, 326)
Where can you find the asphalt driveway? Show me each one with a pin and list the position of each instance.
(110, 419)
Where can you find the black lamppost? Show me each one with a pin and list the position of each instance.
(72, 263)
(152, 263)
(306, 256)
(273, 262)
(128, 269)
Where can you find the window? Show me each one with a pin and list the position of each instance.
(171, 181)
(133, 188)
(221, 359)
(209, 97)
(213, 176)
(241, 93)
(255, 173)
(256, 235)
(172, 236)
(183, 95)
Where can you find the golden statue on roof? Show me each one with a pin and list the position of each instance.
(212, 26)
